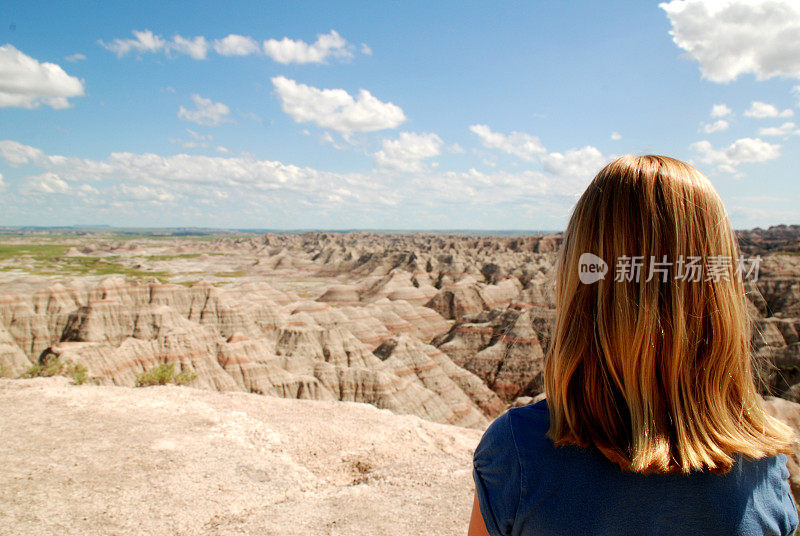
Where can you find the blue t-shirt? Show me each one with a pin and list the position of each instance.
(528, 487)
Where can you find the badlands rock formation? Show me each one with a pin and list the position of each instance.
(302, 315)
(487, 302)
(176, 461)
(247, 338)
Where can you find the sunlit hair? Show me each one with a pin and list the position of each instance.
(656, 375)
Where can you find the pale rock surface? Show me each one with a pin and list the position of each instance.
(93, 460)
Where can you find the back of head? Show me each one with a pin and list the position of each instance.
(651, 363)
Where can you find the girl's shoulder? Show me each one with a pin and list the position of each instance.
(522, 479)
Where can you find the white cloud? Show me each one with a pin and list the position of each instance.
(716, 126)
(2, 184)
(141, 192)
(744, 150)
(198, 136)
(236, 45)
(130, 181)
(196, 48)
(326, 137)
(408, 152)
(329, 45)
(87, 189)
(456, 149)
(518, 144)
(75, 57)
(26, 83)
(786, 129)
(720, 110)
(762, 110)
(335, 108)
(197, 140)
(207, 113)
(145, 41)
(296, 51)
(616, 136)
(46, 183)
(729, 38)
(366, 50)
(581, 163)
(18, 154)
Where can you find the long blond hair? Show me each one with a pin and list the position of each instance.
(656, 375)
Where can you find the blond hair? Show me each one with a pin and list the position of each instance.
(656, 375)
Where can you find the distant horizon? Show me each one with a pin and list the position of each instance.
(213, 230)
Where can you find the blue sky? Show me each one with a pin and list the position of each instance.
(413, 115)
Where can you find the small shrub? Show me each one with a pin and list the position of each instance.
(79, 374)
(186, 376)
(160, 375)
(164, 374)
(33, 372)
(52, 365)
(48, 365)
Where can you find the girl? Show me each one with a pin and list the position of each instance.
(652, 424)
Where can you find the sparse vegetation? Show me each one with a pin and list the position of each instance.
(52, 365)
(235, 273)
(173, 257)
(38, 252)
(46, 259)
(5, 371)
(164, 374)
(184, 377)
(79, 374)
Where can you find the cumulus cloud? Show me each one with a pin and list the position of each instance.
(236, 45)
(335, 108)
(786, 129)
(762, 110)
(297, 51)
(147, 41)
(729, 38)
(720, 110)
(716, 126)
(518, 144)
(744, 150)
(581, 163)
(27, 83)
(408, 152)
(140, 192)
(75, 57)
(130, 182)
(285, 51)
(144, 41)
(46, 183)
(196, 48)
(207, 113)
